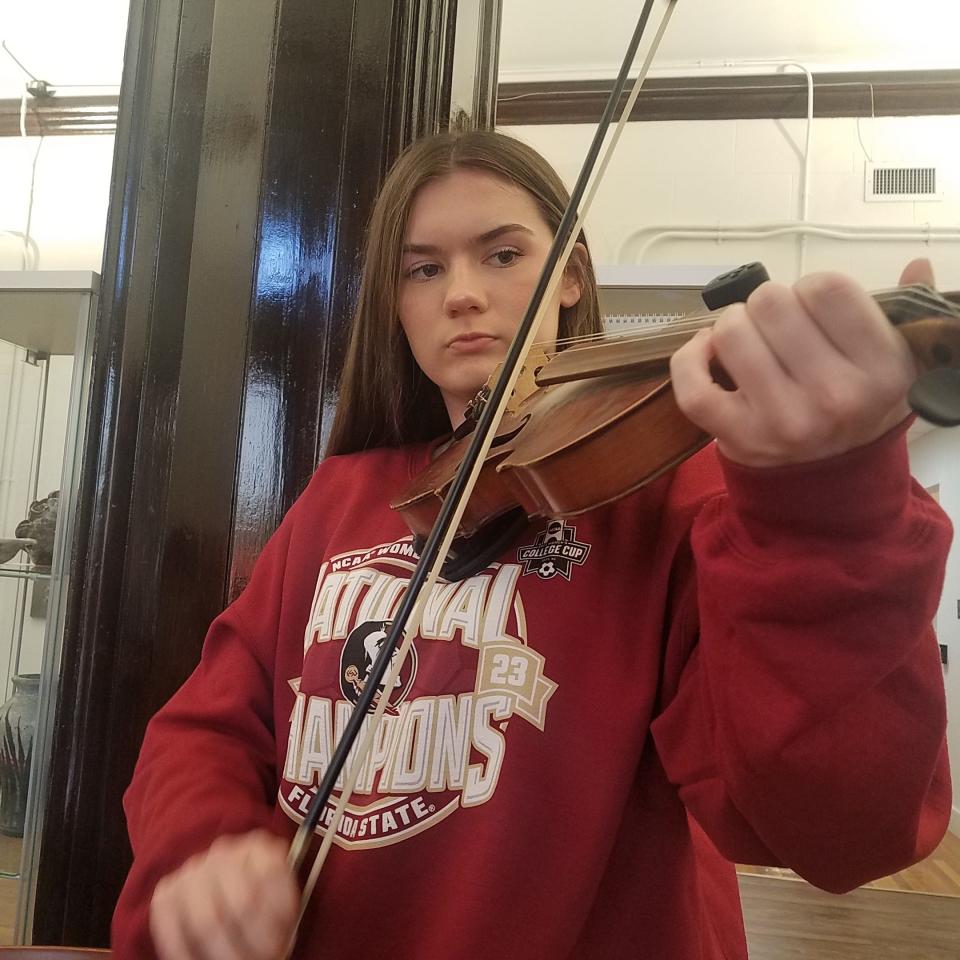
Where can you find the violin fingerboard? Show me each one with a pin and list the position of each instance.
(917, 301)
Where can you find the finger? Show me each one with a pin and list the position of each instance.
(166, 930)
(187, 924)
(261, 902)
(793, 337)
(169, 941)
(698, 396)
(762, 381)
(209, 933)
(850, 319)
(240, 914)
(918, 271)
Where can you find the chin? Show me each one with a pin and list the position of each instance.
(470, 380)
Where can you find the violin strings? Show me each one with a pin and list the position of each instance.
(901, 305)
(922, 299)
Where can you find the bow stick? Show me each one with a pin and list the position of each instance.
(407, 620)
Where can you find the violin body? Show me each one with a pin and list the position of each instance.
(492, 496)
(568, 455)
(618, 434)
(604, 422)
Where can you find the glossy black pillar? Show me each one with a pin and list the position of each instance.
(252, 136)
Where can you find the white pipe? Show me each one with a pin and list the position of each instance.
(634, 249)
(807, 150)
(926, 229)
(31, 245)
(805, 191)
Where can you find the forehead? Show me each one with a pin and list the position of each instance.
(469, 202)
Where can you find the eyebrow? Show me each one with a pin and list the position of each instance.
(477, 241)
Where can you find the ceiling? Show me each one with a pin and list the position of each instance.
(63, 42)
(571, 39)
(81, 41)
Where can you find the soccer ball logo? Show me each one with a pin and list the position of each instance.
(555, 553)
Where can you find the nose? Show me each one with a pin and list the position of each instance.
(464, 293)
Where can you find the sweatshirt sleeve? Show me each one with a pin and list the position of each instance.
(805, 718)
(207, 764)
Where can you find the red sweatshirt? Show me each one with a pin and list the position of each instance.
(731, 663)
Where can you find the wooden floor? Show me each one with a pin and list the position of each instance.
(9, 888)
(8, 909)
(939, 873)
(790, 920)
(786, 918)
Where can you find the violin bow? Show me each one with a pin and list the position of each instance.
(406, 622)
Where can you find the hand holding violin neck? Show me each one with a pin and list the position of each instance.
(929, 321)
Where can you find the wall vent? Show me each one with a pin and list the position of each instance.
(885, 182)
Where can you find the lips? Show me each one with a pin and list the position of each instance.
(471, 342)
(470, 337)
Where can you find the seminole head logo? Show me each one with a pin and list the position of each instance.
(360, 652)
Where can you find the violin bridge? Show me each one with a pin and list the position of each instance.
(526, 380)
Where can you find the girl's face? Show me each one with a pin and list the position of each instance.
(472, 255)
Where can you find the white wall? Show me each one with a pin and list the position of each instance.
(749, 172)
(544, 39)
(70, 198)
(935, 460)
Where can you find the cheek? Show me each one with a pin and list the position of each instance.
(551, 322)
(413, 320)
(548, 329)
(408, 312)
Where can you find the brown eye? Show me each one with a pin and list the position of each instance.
(505, 257)
(424, 271)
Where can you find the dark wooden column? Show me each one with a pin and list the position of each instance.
(252, 136)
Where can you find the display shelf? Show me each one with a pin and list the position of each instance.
(38, 309)
(24, 573)
(46, 324)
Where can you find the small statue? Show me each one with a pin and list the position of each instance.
(37, 531)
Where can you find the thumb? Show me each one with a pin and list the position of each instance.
(917, 271)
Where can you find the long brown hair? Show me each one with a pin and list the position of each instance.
(384, 398)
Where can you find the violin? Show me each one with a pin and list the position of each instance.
(601, 421)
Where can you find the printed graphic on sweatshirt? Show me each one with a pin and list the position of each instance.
(443, 740)
(360, 653)
(555, 552)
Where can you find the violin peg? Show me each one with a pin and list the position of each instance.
(735, 286)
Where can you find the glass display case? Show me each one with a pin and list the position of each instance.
(643, 295)
(46, 322)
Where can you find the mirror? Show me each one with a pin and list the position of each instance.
(720, 166)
